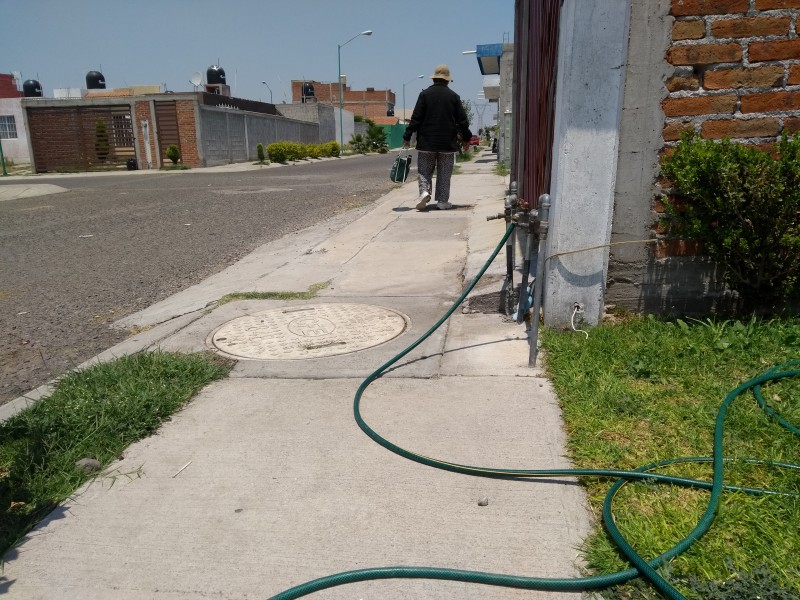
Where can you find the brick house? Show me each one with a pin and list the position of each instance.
(208, 129)
(12, 124)
(369, 103)
(611, 84)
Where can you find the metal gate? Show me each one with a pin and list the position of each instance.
(536, 52)
(75, 138)
(167, 127)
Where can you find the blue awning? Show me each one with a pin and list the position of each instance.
(489, 58)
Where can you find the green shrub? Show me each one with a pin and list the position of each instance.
(173, 153)
(376, 138)
(743, 205)
(260, 151)
(279, 152)
(282, 152)
(359, 143)
(314, 150)
(300, 151)
(333, 149)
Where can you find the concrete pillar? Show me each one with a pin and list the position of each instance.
(593, 42)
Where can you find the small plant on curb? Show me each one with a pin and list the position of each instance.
(464, 156)
(173, 153)
(310, 293)
(501, 169)
(261, 154)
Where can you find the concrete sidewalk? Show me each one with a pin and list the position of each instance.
(265, 481)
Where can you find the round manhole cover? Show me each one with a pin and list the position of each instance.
(309, 331)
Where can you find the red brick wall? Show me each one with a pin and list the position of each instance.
(8, 88)
(63, 137)
(736, 74)
(56, 140)
(737, 65)
(364, 103)
(187, 130)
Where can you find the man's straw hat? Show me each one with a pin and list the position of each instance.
(442, 72)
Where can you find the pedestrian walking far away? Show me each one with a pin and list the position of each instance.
(441, 125)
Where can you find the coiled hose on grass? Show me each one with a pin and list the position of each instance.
(646, 473)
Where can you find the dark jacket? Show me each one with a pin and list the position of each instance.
(438, 119)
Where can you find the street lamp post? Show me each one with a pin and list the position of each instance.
(405, 120)
(270, 91)
(3, 158)
(341, 96)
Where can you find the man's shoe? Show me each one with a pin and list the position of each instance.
(423, 200)
(444, 205)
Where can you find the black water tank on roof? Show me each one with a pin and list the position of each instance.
(31, 89)
(215, 75)
(308, 91)
(95, 81)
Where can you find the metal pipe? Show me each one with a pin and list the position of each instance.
(507, 291)
(526, 270)
(538, 283)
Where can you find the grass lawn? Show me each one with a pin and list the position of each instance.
(644, 390)
(95, 413)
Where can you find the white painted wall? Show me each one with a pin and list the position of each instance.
(347, 124)
(593, 44)
(16, 150)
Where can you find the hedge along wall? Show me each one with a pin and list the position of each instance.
(736, 75)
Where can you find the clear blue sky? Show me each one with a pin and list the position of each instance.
(143, 42)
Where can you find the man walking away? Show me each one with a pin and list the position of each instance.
(438, 120)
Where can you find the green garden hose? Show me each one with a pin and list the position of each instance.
(646, 473)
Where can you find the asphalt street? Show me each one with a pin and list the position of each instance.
(74, 262)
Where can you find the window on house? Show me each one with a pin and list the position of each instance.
(8, 128)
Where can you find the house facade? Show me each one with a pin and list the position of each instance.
(369, 103)
(13, 136)
(609, 87)
(110, 129)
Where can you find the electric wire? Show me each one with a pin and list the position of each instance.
(647, 568)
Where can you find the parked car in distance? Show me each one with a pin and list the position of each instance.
(474, 140)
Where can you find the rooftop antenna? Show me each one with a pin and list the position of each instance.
(284, 91)
(196, 80)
